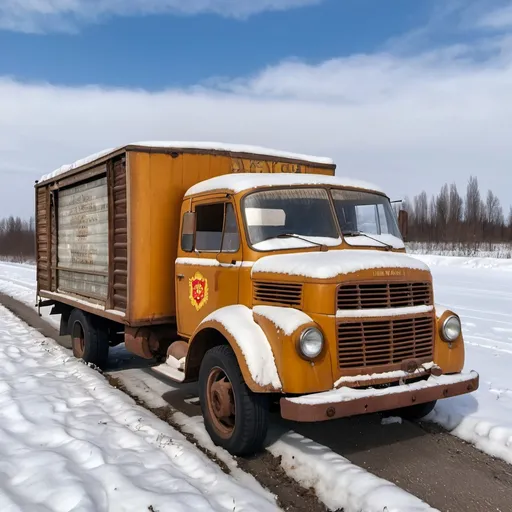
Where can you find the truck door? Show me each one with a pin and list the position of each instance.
(207, 271)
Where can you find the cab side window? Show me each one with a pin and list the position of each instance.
(209, 227)
(216, 229)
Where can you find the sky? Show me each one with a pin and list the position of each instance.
(406, 94)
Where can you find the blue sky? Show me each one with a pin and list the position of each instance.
(176, 50)
(405, 93)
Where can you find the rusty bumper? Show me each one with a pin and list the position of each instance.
(343, 402)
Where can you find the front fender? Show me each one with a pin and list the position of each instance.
(448, 356)
(253, 351)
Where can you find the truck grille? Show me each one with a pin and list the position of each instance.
(375, 343)
(281, 294)
(383, 295)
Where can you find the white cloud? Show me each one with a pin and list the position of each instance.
(68, 15)
(500, 18)
(407, 123)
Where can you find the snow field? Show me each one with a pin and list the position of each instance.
(480, 291)
(71, 442)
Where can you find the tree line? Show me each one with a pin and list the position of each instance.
(447, 217)
(453, 218)
(17, 239)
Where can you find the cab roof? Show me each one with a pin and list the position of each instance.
(235, 183)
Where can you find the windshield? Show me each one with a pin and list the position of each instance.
(290, 218)
(364, 212)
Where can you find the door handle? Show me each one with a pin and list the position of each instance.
(180, 276)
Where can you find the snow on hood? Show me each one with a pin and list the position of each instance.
(326, 265)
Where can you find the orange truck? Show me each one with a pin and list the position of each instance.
(257, 273)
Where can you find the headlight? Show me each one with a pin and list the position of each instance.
(311, 342)
(451, 329)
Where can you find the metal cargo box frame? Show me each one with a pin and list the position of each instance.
(142, 232)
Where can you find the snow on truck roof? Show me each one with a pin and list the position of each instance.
(236, 183)
(191, 145)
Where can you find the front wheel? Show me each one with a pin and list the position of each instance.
(234, 416)
(415, 412)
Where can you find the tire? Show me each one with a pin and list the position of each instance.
(88, 340)
(245, 430)
(414, 412)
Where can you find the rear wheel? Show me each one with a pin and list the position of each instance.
(234, 416)
(89, 341)
(415, 412)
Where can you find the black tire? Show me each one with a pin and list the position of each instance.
(89, 341)
(251, 411)
(414, 412)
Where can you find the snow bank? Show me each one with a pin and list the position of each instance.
(239, 322)
(287, 320)
(465, 262)
(340, 484)
(326, 265)
(236, 183)
(184, 145)
(69, 441)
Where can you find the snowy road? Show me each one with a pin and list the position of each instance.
(427, 462)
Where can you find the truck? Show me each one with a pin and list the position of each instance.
(257, 273)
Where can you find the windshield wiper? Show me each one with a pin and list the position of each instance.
(388, 247)
(323, 247)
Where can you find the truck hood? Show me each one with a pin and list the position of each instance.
(328, 265)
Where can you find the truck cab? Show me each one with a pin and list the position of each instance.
(296, 288)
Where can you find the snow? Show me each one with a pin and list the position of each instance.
(396, 374)
(287, 320)
(239, 182)
(239, 322)
(183, 145)
(364, 241)
(390, 420)
(384, 312)
(440, 310)
(326, 265)
(346, 394)
(340, 484)
(69, 441)
(277, 244)
(210, 262)
(460, 262)
(479, 290)
(76, 165)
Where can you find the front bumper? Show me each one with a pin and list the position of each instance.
(343, 402)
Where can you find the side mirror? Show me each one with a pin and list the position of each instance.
(403, 223)
(188, 232)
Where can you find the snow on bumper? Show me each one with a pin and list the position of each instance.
(342, 402)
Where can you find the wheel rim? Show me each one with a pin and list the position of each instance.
(78, 340)
(221, 402)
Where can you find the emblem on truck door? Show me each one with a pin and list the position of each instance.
(198, 288)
